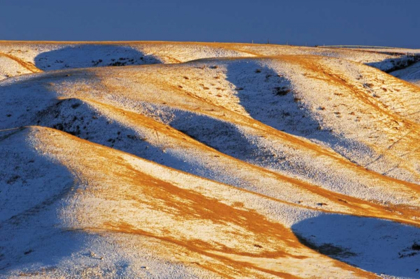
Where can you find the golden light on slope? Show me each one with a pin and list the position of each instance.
(232, 166)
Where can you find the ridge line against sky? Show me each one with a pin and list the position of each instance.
(299, 22)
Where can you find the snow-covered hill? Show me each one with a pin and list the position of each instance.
(206, 160)
(410, 74)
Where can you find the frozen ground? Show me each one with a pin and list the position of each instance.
(207, 160)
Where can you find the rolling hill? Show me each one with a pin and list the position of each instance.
(208, 160)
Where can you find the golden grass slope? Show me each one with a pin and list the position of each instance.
(12, 66)
(223, 229)
(204, 166)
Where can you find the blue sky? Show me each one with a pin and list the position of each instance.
(301, 22)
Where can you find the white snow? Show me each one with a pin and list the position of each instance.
(209, 168)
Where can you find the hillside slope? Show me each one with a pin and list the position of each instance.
(410, 74)
(49, 56)
(12, 66)
(250, 161)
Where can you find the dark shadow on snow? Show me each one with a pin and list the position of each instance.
(31, 230)
(375, 245)
(394, 64)
(39, 105)
(241, 144)
(224, 137)
(91, 55)
(80, 119)
(270, 98)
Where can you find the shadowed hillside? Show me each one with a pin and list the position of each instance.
(207, 160)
